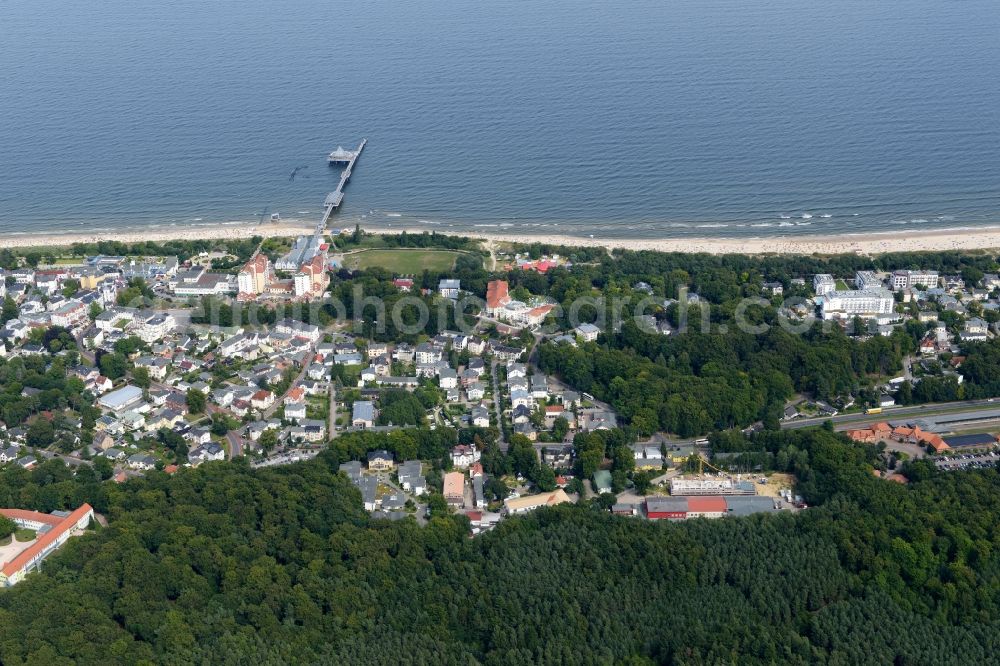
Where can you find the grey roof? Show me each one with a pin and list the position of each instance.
(121, 397)
(368, 485)
(393, 502)
(744, 506)
(352, 468)
(410, 471)
(363, 410)
(477, 490)
(975, 439)
(666, 504)
(380, 454)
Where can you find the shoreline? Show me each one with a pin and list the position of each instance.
(928, 240)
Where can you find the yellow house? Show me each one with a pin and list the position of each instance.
(92, 278)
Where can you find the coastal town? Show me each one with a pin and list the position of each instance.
(500, 333)
(157, 389)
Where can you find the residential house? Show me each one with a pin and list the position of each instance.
(427, 354)
(262, 399)
(463, 455)
(403, 353)
(363, 414)
(773, 288)
(480, 417)
(521, 414)
(449, 288)
(447, 378)
(141, 462)
(380, 461)
(205, 453)
(295, 411)
(587, 332)
(411, 477)
(308, 430)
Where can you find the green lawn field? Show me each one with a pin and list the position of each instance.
(403, 261)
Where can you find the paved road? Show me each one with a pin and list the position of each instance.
(496, 404)
(844, 421)
(278, 400)
(235, 444)
(331, 430)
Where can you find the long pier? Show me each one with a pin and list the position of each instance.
(341, 156)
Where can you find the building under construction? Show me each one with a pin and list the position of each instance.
(711, 486)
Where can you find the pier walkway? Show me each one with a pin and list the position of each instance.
(341, 156)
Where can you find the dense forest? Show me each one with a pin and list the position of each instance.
(225, 564)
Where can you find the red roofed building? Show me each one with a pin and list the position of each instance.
(902, 433)
(53, 531)
(544, 265)
(312, 279)
(262, 399)
(706, 506)
(454, 488)
(935, 441)
(541, 266)
(403, 284)
(254, 277)
(881, 429)
(497, 296)
(536, 316)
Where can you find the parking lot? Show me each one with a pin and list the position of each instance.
(969, 461)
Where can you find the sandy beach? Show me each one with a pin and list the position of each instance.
(927, 240)
(194, 232)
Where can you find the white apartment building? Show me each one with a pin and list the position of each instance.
(908, 279)
(864, 303)
(70, 314)
(155, 326)
(823, 283)
(867, 280)
(302, 283)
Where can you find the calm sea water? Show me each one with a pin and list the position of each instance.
(646, 118)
